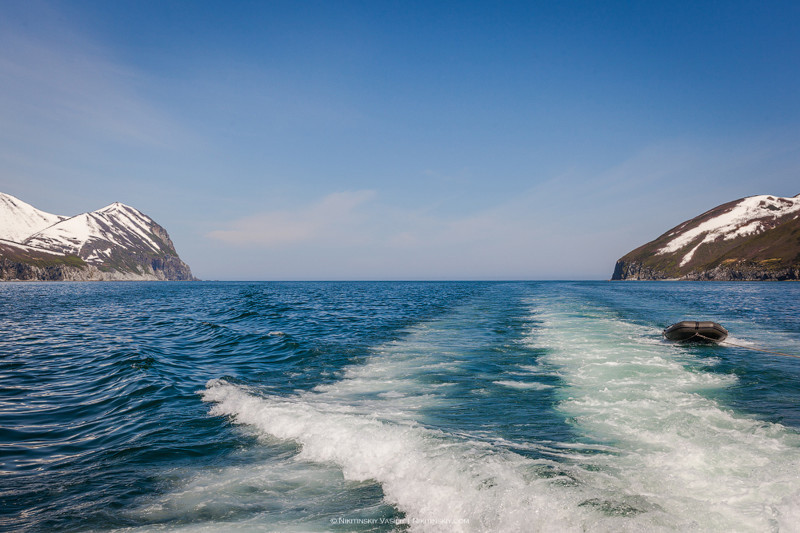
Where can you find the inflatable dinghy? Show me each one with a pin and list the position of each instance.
(693, 331)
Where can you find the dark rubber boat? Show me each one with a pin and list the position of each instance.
(693, 331)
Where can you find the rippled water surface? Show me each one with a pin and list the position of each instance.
(514, 406)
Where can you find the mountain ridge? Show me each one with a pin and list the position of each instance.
(116, 242)
(756, 238)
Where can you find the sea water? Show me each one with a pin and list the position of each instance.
(459, 406)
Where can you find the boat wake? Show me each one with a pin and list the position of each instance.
(653, 451)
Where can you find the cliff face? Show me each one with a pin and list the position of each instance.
(117, 242)
(751, 239)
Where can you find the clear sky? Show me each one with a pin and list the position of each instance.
(400, 140)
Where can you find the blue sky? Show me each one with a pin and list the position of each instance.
(400, 140)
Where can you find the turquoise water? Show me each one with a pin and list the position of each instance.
(462, 406)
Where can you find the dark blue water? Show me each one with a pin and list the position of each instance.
(515, 406)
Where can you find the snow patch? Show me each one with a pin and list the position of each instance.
(688, 257)
(25, 248)
(97, 256)
(745, 218)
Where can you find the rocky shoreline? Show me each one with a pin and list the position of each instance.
(18, 271)
(743, 271)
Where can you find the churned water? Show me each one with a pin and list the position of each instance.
(513, 406)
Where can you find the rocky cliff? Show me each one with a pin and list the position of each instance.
(751, 239)
(117, 242)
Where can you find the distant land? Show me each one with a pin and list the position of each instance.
(752, 239)
(117, 242)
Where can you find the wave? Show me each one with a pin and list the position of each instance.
(435, 480)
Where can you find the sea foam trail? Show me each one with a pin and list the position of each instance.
(679, 450)
(368, 425)
(657, 453)
(371, 424)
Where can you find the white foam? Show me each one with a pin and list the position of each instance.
(539, 369)
(265, 492)
(439, 482)
(523, 385)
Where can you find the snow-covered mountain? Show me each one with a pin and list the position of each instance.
(115, 242)
(754, 238)
(19, 220)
